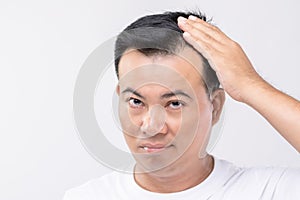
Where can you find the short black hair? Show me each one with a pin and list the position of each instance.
(159, 34)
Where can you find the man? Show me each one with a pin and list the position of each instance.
(169, 99)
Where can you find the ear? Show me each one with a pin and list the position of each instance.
(118, 90)
(217, 100)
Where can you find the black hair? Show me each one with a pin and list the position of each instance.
(159, 34)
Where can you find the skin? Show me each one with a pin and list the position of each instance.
(240, 80)
(187, 142)
(183, 131)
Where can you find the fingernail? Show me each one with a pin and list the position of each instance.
(186, 34)
(191, 17)
(182, 20)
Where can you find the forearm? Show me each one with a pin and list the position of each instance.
(279, 109)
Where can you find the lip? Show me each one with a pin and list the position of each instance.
(153, 148)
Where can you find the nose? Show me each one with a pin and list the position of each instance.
(154, 121)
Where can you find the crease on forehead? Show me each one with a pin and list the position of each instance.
(186, 53)
(153, 75)
(137, 70)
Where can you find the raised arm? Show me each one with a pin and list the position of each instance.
(240, 80)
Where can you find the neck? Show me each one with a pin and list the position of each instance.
(174, 178)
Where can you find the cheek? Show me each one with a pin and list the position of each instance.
(131, 142)
(130, 119)
(194, 127)
(129, 128)
(174, 122)
(187, 127)
(203, 131)
(205, 119)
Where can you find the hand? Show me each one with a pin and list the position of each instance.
(240, 80)
(226, 57)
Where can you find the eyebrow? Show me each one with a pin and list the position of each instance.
(164, 96)
(175, 93)
(130, 90)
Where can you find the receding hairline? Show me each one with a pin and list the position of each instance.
(186, 53)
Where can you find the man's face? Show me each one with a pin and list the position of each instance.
(164, 110)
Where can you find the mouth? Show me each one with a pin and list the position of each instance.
(154, 148)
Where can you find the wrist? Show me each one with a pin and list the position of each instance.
(253, 89)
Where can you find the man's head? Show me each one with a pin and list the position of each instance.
(159, 34)
(165, 112)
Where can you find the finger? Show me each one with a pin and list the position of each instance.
(196, 23)
(210, 29)
(198, 34)
(188, 24)
(204, 48)
(202, 39)
(198, 20)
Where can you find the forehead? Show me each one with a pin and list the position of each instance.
(137, 69)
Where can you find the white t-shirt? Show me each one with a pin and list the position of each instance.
(225, 182)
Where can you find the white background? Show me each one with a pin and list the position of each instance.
(43, 45)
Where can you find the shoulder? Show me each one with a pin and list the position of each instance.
(259, 173)
(94, 188)
(261, 182)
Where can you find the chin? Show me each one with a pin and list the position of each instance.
(155, 162)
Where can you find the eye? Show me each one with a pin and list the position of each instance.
(175, 105)
(135, 103)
